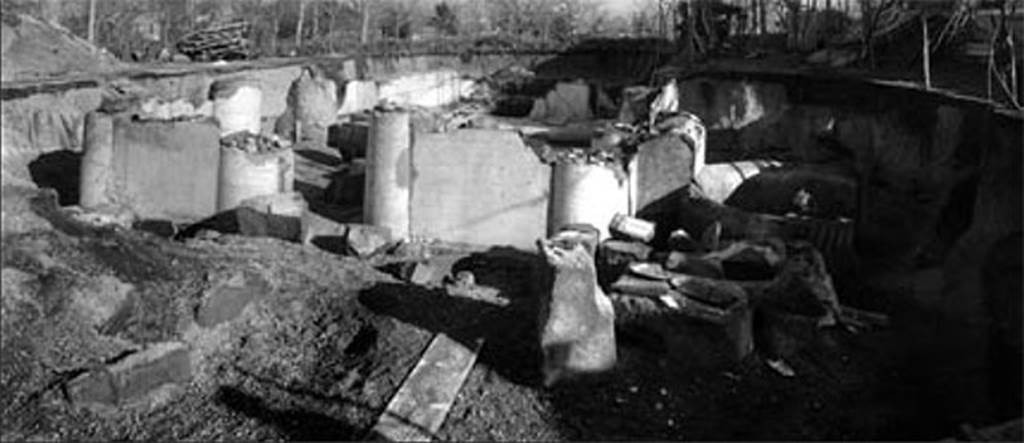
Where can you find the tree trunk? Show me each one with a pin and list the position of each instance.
(763, 15)
(276, 29)
(925, 53)
(330, 30)
(92, 23)
(298, 25)
(364, 34)
(316, 19)
(793, 34)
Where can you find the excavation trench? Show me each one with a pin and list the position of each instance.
(912, 198)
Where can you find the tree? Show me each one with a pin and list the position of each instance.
(445, 20)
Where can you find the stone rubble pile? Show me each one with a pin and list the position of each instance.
(254, 143)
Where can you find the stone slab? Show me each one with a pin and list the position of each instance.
(480, 187)
(419, 408)
(135, 376)
(167, 170)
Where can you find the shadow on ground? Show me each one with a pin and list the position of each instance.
(298, 424)
(60, 171)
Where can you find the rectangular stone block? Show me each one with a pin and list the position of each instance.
(360, 95)
(708, 336)
(350, 138)
(165, 169)
(367, 240)
(659, 174)
(628, 284)
(478, 186)
(135, 376)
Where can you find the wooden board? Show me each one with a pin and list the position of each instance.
(419, 408)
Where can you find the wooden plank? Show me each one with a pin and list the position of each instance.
(419, 408)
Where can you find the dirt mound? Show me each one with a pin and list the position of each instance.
(34, 49)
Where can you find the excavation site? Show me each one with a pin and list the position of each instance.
(511, 220)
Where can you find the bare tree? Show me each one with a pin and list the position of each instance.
(298, 24)
(871, 15)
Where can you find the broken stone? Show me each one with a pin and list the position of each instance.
(134, 377)
(571, 234)
(578, 320)
(680, 240)
(632, 228)
(566, 103)
(274, 215)
(349, 138)
(710, 335)
(694, 333)
(781, 334)
(718, 293)
(105, 215)
(781, 367)
(666, 103)
(747, 261)
(662, 169)
(323, 232)
(290, 204)
(227, 300)
(629, 284)
(613, 256)
(711, 238)
(434, 270)
(254, 223)
(161, 228)
(367, 240)
(802, 286)
(18, 288)
(347, 186)
(648, 270)
(693, 265)
(620, 251)
(636, 102)
(464, 285)
(99, 298)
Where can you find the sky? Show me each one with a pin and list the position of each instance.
(617, 7)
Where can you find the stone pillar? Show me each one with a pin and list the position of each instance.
(97, 174)
(388, 178)
(586, 193)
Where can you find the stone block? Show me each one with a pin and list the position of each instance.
(323, 232)
(99, 298)
(495, 190)
(782, 334)
(160, 228)
(707, 336)
(347, 186)
(149, 161)
(566, 103)
(227, 300)
(571, 234)
(628, 284)
(680, 240)
(367, 240)
(360, 95)
(260, 224)
(613, 256)
(693, 264)
(134, 377)
(661, 170)
(350, 138)
(434, 270)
